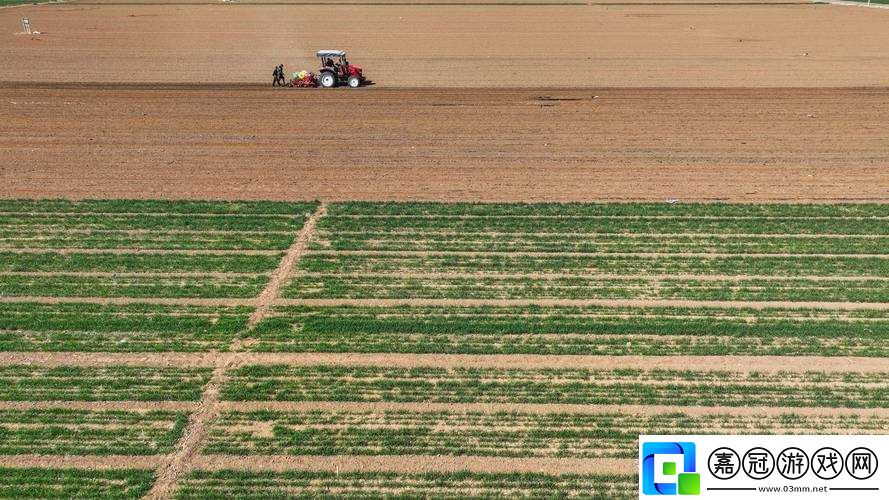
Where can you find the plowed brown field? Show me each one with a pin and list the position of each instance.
(495, 144)
(456, 46)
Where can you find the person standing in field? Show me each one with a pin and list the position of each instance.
(275, 79)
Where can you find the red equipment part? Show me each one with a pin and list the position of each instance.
(307, 81)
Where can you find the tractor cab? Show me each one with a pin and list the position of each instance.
(336, 70)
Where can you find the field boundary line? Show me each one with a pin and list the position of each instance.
(138, 251)
(189, 445)
(421, 232)
(81, 461)
(285, 268)
(544, 408)
(459, 253)
(617, 217)
(739, 364)
(607, 276)
(735, 304)
(7, 213)
(149, 274)
(415, 463)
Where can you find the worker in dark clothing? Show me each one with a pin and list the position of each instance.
(275, 78)
(281, 75)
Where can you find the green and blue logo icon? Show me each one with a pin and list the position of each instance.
(668, 468)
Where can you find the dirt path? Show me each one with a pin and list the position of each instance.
(587, 274)
(139, 251)
(81, 461)
(447, 253)
(280, 276)
(100, 405)
(743, 364)
(180, 461)
(845, 306)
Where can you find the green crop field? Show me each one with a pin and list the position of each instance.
(501, 434)
(573, 330)
(214, 349)
(245, 485)
(573, 386)
(76, 432)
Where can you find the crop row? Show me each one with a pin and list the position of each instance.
(241, 485)
(109, 328)
(387, 287)
(646, 225)
(554, 435)
(589, 265)
(576, 386)
(161, 240)
(62, 285)
(113, 383)
(78, 432)
(445, 385)
(616, 209)
(160, 222)
(157, 206)
(596, 243)
(134, 263)
(74, 483)
(574, 330)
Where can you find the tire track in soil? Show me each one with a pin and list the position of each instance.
(188, 448)
(285, 268)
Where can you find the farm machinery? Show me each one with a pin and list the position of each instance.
(335, 71)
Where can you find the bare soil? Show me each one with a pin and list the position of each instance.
(455, 45)
(241, 142)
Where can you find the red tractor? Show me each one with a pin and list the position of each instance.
(336, 70)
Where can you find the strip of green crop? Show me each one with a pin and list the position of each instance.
(596, 243)
(235, 286)
(659, 225)
(74, 483)
(629, 209)
(118, 328)
(78, 432)
(158, 206)
(241, 485)
(588, 265)
(587, 288)
(49, 239)
(553, 435)
(110, 262)
(566, 330)
(189, 222)
(117, 383)
(580, 386)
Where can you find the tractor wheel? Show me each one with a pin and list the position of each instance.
(354, 82)
(328, 80)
